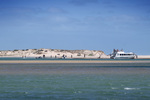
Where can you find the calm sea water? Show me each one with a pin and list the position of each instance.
(73, 82)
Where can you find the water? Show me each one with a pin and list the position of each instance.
(73, 82)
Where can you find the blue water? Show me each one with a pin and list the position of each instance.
(73, 82)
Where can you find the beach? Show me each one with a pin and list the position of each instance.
(82, 62)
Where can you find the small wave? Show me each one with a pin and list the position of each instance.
(127, 88)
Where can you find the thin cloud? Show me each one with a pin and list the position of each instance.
(21, 10)
(82, 2)
(56, 10)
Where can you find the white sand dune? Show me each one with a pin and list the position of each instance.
(54, 53)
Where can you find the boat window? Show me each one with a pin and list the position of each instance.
(125, 54)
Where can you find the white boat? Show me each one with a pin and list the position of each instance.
(122, 55)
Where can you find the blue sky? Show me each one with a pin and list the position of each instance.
(76, 24)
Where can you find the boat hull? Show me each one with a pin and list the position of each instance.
(124, 57)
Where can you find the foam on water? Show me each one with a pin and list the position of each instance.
(127, 88)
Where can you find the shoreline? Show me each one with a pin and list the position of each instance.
(106, 57)
(81, 62)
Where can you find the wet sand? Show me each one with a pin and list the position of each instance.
(82, 62)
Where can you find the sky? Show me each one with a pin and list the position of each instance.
(76, 24)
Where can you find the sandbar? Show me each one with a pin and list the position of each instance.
(82, 62)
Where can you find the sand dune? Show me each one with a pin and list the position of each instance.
(54, 53)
